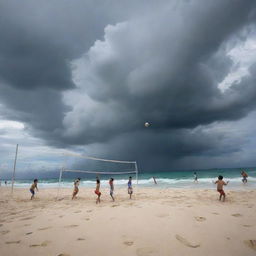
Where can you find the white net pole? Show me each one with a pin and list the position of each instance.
(136, 169)
(14, 167)
(60, 177)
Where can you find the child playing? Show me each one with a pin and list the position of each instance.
(245, 176)
(33, 187)
(76, 184)
(220, 183)
(130, 187)
(97, 190)
(111, 184)
(195, 177)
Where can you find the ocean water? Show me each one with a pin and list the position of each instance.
(173, 179)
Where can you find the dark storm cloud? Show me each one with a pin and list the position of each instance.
(167, 150)
(42, 110)
(79, 74)
(38, 41)
(166, 73)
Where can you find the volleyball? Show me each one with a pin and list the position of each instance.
(146, 124)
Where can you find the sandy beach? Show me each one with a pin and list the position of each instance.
(155, 222)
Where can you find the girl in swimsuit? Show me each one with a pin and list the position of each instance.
(97, 190)
(111, 184)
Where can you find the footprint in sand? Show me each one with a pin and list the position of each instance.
(1, 225)
(251, 244)
(128, 243)
(215, 213)
(71, 226)
(26, 225)
(237, 215)
(78, 211)
(200, 219)
(114, 205)
(247, 226)
(162, 215)
(146, 251)
(87, 219)
(29, 233)
(80, 239)
(184, 241)
(43, 244)
(28, 218)
(4, 232)
(45, 228)
(89, 210)
(61, 216)
(63, 254)
(13, 242)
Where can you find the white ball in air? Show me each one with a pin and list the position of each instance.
(146, 124)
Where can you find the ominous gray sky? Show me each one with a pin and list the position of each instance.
(86, 75)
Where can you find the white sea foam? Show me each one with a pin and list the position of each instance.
(161, 182)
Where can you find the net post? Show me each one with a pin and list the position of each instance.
(60, 177)
(136, 169)
(14, 167)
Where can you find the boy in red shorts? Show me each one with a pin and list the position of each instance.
(220, 183)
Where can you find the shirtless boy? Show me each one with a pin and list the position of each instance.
(245, 176)
(220, 183)
(33, 187)
(76, 185)
(130, 191)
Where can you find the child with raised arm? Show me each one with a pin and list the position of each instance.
(130, 187)
(220, 183)
(97, 190)
(76, 189)
(33, 187)
(245, 176)
(111, 184)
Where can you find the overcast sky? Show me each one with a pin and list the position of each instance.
(86, 75)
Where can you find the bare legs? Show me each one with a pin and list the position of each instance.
(98, 199)
(224, 197)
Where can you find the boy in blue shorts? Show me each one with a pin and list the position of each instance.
(130, 191)
(33, 187)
